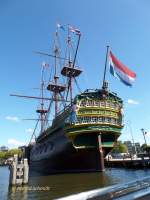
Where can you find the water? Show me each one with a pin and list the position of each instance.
(53, 186)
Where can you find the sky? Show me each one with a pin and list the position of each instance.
(29, 25)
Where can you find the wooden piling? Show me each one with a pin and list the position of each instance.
(19, 172)
(26, 171)
(102, 167)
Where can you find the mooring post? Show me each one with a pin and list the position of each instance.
(102, 168)
(19, 171)
(26, 171)
(13, 170)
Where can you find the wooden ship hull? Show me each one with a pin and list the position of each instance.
(79, 138)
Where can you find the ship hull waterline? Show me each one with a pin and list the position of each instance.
(68, 159)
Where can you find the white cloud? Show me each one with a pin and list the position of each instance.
(15, 142)
(12, 118)
(29, 130)
(133, 102)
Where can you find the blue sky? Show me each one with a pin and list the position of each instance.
(29, 25)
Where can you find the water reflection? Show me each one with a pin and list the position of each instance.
(54, 186)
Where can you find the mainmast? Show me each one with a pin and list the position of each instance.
(54, 86)
(70, 70)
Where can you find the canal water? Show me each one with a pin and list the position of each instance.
(54, 186)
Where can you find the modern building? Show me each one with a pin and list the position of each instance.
(129, 146)
(133, 148)
(138, 147)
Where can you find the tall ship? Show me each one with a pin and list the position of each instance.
(85, 126)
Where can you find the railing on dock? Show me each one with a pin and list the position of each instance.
(19, 171)
(139, 190)
(129, 163)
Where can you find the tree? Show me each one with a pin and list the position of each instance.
(10, 153)
(120, 148)
(145, 148)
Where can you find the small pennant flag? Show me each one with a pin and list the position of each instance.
(60, 26)
(74, 30)
(44, 64)
(119, 70)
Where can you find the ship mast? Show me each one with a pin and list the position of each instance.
(105, 83)
(70, 70)
(54, 86)
(42, 111)
(56, 77)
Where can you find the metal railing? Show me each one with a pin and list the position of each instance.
(138, 189)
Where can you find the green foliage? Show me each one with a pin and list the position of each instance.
(10, 153)
(120, 148)
(2, 155)
(145, 148)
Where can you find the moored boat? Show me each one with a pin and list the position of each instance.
(86, 125)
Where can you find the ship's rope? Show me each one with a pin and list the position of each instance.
(48, 112)
(33, 134)
(76, 82)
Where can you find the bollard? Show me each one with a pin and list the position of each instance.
(13, 170)
(26, 171)
(19, 172)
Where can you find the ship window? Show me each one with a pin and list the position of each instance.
(107, 120)
(102, 103)
(78, 119)
(113, 105)
(96, 103)
(100, 119)
(113, 121)
(88, 103)
(83, 103)
(94, 119)
(86, 119)
(107, 103)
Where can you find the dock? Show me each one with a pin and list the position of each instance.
(137, 163)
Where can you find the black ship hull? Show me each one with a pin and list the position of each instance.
(62, 156)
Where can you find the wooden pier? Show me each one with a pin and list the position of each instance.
(137, 163)
(19, 171)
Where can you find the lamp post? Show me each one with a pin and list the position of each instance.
(144, 132)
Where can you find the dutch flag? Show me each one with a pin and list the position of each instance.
(119, 70)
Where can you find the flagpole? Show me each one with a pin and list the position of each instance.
(105, 67)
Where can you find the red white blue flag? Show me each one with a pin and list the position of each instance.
(119, 70)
